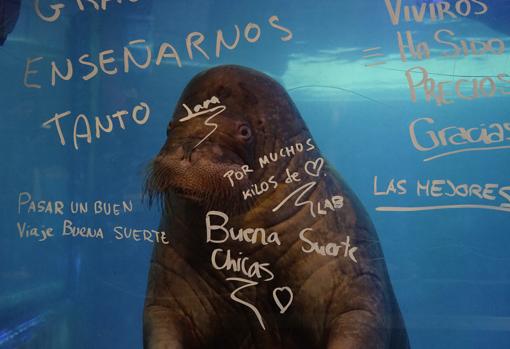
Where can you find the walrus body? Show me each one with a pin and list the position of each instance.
(282, 293)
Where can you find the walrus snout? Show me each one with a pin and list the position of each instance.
(194, 173)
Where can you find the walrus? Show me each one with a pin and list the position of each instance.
(269, 247)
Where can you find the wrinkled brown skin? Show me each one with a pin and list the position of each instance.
(337, 303)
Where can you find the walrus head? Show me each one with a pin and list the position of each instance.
(226, 118)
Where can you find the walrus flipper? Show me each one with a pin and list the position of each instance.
(356, 330)
(159, 331)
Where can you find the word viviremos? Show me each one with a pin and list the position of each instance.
(426, 136)
(491, 196)
(107, 62)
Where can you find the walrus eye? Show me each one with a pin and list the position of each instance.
(245, 132)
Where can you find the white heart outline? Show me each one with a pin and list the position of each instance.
(317, 164)
(283, 308)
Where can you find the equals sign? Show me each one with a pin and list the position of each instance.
(368, 54)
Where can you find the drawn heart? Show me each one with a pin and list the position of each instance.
(313, 168)
(283, 308)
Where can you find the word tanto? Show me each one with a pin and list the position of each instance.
(82, 129)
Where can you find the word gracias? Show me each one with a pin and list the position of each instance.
(426, 137)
